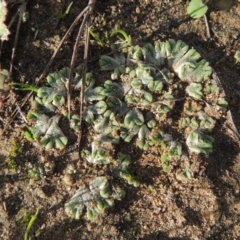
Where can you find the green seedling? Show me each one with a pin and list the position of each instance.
(165, 162)
(39, 106)
(96, 37)
(25, 16)
(66, 12)
(99, 153)
(95, 109)
(126, 41)
(116, 64)
(100, 40)
(30, 224)
(197, 8)
(171, 150)
(212, 88)
(143, 135)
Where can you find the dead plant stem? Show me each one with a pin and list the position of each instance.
(60, 44)
(73, 60)
(82, 94)
(207, 26)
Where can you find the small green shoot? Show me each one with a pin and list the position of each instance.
(95, 36)
(126, 38)
(24, 87)
(100, 40)
(30, 224)
(66, 12)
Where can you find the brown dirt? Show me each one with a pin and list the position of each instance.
(164, 206)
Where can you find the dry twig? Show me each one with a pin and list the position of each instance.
(207, 26)
(86, 22)
(233, 129)
(21, 10)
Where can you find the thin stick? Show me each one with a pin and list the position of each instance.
(82, 97)
(218, 81)
(60, 44)
(21, 113)
(22, 9)
(207, 26)
(73, 60)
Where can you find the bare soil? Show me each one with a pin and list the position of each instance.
(164, 206)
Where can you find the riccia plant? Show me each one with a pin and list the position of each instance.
(101, 193)
(161, 96)
(151, 86)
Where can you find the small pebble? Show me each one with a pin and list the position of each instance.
(68, 179)
(138, 10)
